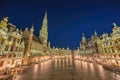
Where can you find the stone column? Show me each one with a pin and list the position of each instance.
(28, 43)
(110, 50)
(26, 54)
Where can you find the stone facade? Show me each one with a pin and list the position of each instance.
(35, 47)
(109, 46)
(110, 43)
(104, 49)
(19, 47)
(89, 46)
(11, 45)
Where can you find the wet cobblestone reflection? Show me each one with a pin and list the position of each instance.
(66, 69)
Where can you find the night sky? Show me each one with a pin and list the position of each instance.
(67, 19)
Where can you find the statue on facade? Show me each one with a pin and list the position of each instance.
(114, 24)
(115, 28)
(3, 22)
(49, 44)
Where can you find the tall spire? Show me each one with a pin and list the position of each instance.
(83, 38)
(45, 19)
(32, 29)
(44, 30)
(95, 33)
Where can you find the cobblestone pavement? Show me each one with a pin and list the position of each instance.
(66, 69)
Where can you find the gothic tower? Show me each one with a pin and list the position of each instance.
(44, 31)
(83, 39)
(83, 42)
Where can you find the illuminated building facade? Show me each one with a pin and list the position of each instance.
(60, 52)
(89, 46)
(19, 47)
(11, 45)
(35, 47)
(110, 43)
(109, 46)
(104, 49)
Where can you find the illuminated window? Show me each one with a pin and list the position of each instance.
(113, 50)
(6, 48)
(16, 49)
(11, 48)
(2, 41)
(9, 38)
(105, 50)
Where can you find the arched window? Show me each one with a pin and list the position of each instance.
(11, 48)
(6, 48)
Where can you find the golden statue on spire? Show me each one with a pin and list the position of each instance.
(3, 22)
